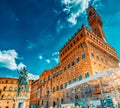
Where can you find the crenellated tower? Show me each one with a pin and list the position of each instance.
(95, 22)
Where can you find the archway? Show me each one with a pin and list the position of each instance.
(20, 105)
(47, 103)
(54, 103)
(20, 102)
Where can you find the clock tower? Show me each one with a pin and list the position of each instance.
(95, 22)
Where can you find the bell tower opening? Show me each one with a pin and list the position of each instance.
(95, 22)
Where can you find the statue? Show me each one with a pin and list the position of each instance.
(22, 80)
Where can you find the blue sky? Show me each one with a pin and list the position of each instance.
(33, 31)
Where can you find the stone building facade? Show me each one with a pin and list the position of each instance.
(33, 96)
(86, 53)
(45, 88)
(8, 94)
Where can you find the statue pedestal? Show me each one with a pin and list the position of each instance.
(20, 102)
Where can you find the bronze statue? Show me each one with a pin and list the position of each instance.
(22, 80)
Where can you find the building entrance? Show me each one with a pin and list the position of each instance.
(20, 105)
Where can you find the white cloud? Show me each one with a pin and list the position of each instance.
(48, 60)
(56, 60)
(76, 8)
(20, 66)
(55, 57)
(66, 1)
(40, 57)
(59, 26)
(32, 76)
(119, 64)
(55, 53)
(7, 59)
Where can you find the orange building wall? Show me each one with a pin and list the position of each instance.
(34, 91)
(10, 93)
(99, 56)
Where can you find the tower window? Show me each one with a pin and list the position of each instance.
(61, 86)
(68, 66)
(83, 56)
(87, 75)
(60, 71)
(56, 73)
(40, 81)
(65, 84)
(48, 77)
(64, 68)
(73, 63)
(80, 77)
(74, 80)
(97, 57)
(77, 59)
(44, 79)
(57, 88)
(92, 54)
(70, 82)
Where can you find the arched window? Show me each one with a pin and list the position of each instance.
(6, 81)
(4, 89)
(44, 79)
(80, 77)
(2, 97)
(10, 89)
(14, 97)
(48, 77)
(8, 97)
(15, 88)
(62, 101)
(83, 56)
(87, 75)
